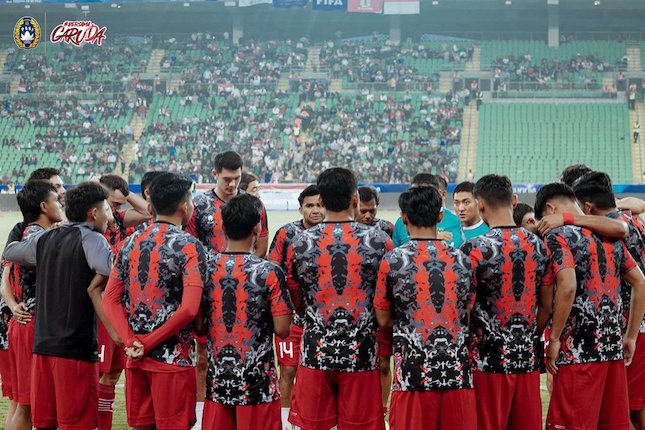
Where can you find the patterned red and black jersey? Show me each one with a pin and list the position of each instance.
(281, 240)
(635, 244)
(5, 312)
(116, 231)
(206, 222)
(336, 266)
(245, 294)
(155, 266)
(23, 281)
(593, 331)
(427, 285)
(384, 225)
(511, 265)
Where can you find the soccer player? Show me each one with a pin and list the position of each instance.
(368, 208)
(524, 217)
(449, 228)
(514, 285)
(206, 223)
(288, 350)
(38, 202)
(334, 266)
(585, 352)
(574, 172)
(52, 175)
(112, 357)
(64, 390)
(5, 362)
(250, 184)
(152, 297)
(472, 224)
(595, 196)
(248, 302)
(424, 290)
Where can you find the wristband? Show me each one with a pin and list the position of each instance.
(567, 218)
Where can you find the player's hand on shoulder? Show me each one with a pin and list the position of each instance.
(549, 223)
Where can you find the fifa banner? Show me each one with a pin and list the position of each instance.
(401, 7)
(330, 5)
(289, 3)
(365, 6)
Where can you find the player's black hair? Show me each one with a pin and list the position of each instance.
(571, 173)
(337, 187)
(443, 182)
(464, 187)
(44, 173)
(114, 183)
(147, 180)
(595, 187)
(421, 205)
(247, 178)
(240, 215)
(168, 191)
(520, 211)
(310, 191)
(495, 190)
(367, 194)
(421, 179)
(31, 196)
(550, 192)
(80, 199)
(229, 160)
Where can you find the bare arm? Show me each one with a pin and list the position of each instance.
(565, 294)
(95, 291)
(282, 325)
(633, 204)
(545, 308)
(598, 224)
(139, 212)
(636, 311)
(384, 319)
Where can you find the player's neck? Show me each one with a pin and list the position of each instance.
(342, 216)
(472, 223)
(422, 232)
(308, 225)
(170, 219)
(502, 217)
(245, 246)
(603, 212)
(43, 222)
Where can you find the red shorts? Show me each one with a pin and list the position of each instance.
(5, 373)
(164, 399)
(636, 376)
(384, 343)
(508, 401)
(21, 339)
(111, 356)
(64, 393)
(288, 350)
(433, 410)
(265, 416)
(321, 399)
(589, 396)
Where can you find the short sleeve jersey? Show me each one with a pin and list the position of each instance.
(23, 280)
(245, 294)
(635, 244)
(155, 266)
(511, 265)
(593, 331)
(335, 264)
(384, 225)
(206, 223)
(427, 285)
(282, 239)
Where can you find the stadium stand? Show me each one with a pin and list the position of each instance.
(533, 142)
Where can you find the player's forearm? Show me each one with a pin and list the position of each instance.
(545, 308)
(384, 319)
(565, 295)
(139, 212)
(633, 204)
(112, 305)
(185, 314)
(20, 253)
(637, 304)
(97, 286)
(297, 299)
(602, 225)
(6, 291)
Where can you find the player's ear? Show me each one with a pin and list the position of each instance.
(550, 209)
(404, 218)
(514, 201)
(587, 208)
(257, 229)
(215, 174)
(355, 201)
(440, 217)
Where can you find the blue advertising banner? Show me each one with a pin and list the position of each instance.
(330, 5)
(289, 3)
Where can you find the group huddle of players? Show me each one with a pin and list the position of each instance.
(189, 297)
